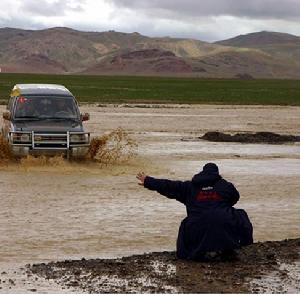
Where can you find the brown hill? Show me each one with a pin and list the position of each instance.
(259, 39)
(247, 63)
(146, 61)
(230, 64)
(64, 50)
(35, 63)
(279, 45)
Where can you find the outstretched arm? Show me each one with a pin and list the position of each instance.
(172, 189)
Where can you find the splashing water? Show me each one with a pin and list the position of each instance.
(114, 147)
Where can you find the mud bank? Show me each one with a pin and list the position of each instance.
(261, 267)
(259, 137)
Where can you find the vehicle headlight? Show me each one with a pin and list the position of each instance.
(25, 138)
(78, 138)
(19, 137)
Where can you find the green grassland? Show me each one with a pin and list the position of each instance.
(129, 89)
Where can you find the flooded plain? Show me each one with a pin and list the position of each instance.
(74, 210)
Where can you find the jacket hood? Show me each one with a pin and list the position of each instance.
(208, 176)
(205, 179)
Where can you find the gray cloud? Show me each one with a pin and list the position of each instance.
(277, 9)
(56, 8)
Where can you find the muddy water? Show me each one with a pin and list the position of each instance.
(74, 210)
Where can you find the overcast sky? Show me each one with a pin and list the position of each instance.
(207, 20)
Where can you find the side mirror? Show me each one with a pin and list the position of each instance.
(85, 116)
(6, 115)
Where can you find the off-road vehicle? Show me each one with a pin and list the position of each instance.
(44, 119)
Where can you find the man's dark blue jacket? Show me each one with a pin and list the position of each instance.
(212, 224)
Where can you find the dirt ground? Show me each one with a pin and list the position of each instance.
(75, 210)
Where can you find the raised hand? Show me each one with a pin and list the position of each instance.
(141, 177)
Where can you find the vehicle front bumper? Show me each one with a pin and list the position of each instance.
(50, 144)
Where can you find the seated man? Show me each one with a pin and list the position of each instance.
(63, 108)
(45, 107)
(212, 225)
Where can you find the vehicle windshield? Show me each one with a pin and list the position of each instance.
(29, 107)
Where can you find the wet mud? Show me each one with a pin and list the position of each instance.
(162, 272)
(259, 137)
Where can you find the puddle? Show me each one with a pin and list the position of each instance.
(202, 147)
(284, 167)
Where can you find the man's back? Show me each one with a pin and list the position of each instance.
(212, 224)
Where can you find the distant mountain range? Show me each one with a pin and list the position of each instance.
(64, 50)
